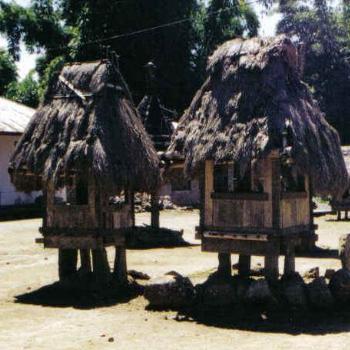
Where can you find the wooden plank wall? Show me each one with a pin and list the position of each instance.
(238, 212)
(209, 188)
(296, 211)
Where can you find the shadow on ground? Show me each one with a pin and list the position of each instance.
(56, 295)
(312, 323)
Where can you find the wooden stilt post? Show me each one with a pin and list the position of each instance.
(120, 267)
(339, 215)
(132, 205)
(271, 267)
(85, 260)
(67, 263)
(155, 210)
(244, 265)
(224, 268)
(289, 259)
(100, 265)
(346, 215)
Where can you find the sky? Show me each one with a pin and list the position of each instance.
(27, 62)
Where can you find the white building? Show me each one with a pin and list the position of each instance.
(14, 118)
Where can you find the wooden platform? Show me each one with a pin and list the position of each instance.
(77, 238)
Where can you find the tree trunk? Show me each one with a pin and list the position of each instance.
(120, 268)
(244, 265)
(67, 263)
(155, 209)
(224, 268)
(100, 265)
(85, 260)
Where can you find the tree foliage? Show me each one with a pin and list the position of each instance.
(324, 33)
(73, 29)
(227, 19)
(8, 71)
(25, 91)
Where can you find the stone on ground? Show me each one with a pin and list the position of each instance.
(340, 286)
(293, 291)
(329, 273)
(170, 292)
(312, 273)
(259, 293)
(320, 297)
(218, 294)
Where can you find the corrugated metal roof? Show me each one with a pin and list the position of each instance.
(14, 117)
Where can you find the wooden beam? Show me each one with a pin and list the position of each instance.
(289, 259)
(87, 242)
(120, 266)
(224, 268)
(271, 267)
(155, 209)
(244, 262)
(100, 266)
(249, 196)
(276, 193)
(82, 232)
(240, 246)
(85, 260)
(67, 263)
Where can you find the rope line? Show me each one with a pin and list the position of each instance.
(147, 30)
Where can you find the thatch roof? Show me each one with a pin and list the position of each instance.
(251, 96)
(87, 124)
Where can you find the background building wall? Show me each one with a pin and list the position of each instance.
(8, 193)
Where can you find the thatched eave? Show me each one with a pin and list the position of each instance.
(252, 95)
(93, 129)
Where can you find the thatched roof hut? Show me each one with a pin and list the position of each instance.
(157, 119)
(88, 124)
(253, 94)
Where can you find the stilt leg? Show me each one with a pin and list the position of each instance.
(120, 268)
(67, 263)
(339, 215)
(100, 265)
(271, 267)
(224, 268)
(155, 210)
(85, 260)
(244, 265)
(289, 259)
(346, 215)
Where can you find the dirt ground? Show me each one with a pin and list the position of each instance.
(26, 266)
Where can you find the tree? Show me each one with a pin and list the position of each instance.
(170, 48)
(25, 91)
(75, 30)
(324, 35)
(227, 19)
(8, 71)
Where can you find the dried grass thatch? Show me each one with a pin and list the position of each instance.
(253, 93)
(87, 124)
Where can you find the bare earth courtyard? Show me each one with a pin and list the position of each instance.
(26, 266)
